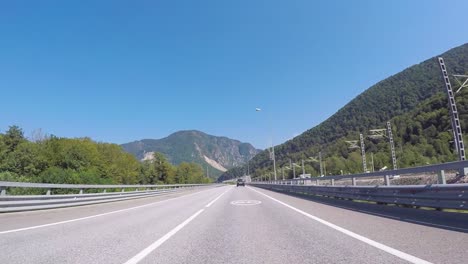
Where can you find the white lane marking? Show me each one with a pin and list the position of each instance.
(145, 252)
(93, 216)
(212, 202)
(366, 240)
(245, 202)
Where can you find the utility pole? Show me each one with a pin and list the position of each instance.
(282, 172)
(290, 165)
(303, 169)
(320, 161)
(294, 170)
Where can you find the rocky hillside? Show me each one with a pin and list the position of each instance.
(219, 153)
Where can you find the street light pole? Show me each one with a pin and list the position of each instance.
(272, 153)
(274, 158)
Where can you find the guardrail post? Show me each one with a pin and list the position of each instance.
(317, 182)
(2, 191)
(104, 191)
(387, 180)
(463, 171)
(332, 182)
(354, 181)
(81, 191)
(441, 177)
(48, 192)
(123, 190)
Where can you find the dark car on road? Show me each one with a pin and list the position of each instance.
(240, 182)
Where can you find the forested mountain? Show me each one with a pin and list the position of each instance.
(50, 159)
(218, 153)
(414, 101)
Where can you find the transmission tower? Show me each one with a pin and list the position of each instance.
(380, 133)
(377, 133)
(463, 84)
(363, 151)
(392, 145)
(353, 144)
(460, 147)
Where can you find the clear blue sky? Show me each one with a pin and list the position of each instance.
(118, 71)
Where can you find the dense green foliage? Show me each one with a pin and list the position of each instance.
(83, 161)
(415, 102)
(192, 146)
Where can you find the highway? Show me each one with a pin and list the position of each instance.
(229, 224)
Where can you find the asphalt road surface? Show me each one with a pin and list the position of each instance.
(225, 224)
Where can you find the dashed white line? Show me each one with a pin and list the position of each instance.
(145, 252)
(212, 202)
(366, 240)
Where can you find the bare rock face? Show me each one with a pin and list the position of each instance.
(218, 153)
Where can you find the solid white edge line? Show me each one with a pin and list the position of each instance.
(145, 252)
(93, 216)
(212, 202)
(366, 240)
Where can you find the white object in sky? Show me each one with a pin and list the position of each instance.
(258, 109)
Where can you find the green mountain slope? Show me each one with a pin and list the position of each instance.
(218, 153)
(414, 100)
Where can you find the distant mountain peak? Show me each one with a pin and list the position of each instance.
(218, 153)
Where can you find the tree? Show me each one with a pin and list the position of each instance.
(25, 160)
(159, 170)
(13, 137)
(114, 163)
(189, 173)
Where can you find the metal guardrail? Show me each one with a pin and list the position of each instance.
(454, 196)
(4, 184)
(15, 203)
(460, 166)
(440, 196)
